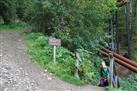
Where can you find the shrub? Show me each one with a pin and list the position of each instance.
(41, 52)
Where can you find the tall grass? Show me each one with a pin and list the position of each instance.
(40, 52)
(14, 26)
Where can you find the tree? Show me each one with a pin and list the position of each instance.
(24, 9)
(71, 19)
(8, 11)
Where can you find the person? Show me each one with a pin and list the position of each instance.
(104, 72)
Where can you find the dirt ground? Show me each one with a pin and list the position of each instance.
(18, 73)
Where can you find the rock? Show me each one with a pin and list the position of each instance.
(2, 81)
(46, 70)
(6, 89)
(19, 40)
(1, 55)
(49, 78)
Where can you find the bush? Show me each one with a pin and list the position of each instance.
(14, 26)
(115, 89)
(129, 83)
(41, 52)
(90, 67)
(41, 41)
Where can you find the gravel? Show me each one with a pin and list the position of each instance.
(18, 73)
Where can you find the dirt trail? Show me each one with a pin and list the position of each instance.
(18, 73)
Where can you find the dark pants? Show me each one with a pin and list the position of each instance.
(103, 82)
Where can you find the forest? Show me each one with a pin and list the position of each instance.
(84, 28)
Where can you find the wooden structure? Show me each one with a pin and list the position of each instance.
(129, 64)
(122, 2)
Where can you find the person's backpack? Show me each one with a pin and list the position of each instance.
(101, 82)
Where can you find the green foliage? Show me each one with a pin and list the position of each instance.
(65, 60)
(12, 10)
(134, 34)
(78, 23)
(41, 52)
(129, 83)
(24, 9)
(135, 56)
(115, 89)
(89, 67)
(14, 26)
(63, 75)
(41, 41)
(71, 19)
(8, 10)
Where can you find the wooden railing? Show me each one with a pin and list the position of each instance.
(130, 64)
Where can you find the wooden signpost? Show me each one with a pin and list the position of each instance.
(55, 42)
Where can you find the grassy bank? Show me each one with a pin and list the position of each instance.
(14, 26)
(115, 89)
(41, 52)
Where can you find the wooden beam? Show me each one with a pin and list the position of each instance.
(120, 3)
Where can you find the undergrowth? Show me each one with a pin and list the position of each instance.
(129, 83)
(115, 89)
(41, 52)
(14, 26)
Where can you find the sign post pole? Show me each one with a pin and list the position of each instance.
(54, 54)
(54, 42)
(111, 70)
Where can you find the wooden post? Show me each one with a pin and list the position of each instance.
(78, 59)
(117, 33)
(54, 54)
(54, 42)
(128, 30)
(116, 81)
(111, 71)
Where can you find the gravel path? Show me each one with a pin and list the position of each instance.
(18, 73)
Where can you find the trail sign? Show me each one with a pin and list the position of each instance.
(55, 42)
